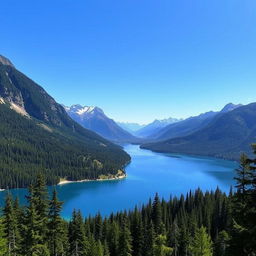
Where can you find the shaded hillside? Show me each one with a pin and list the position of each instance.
(190, 125)
(37, 135)
(226, 136)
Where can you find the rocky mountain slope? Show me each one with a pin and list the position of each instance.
(37, 135)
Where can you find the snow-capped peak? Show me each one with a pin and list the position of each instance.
(82, 110)
(85, 109)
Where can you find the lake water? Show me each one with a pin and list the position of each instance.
(148, 173)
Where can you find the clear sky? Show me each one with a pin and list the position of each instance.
(137, 59)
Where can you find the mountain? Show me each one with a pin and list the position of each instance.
(93, 118)
(190, 125)
(130, 127)
(230, 107)
(37, 135)
(155, 127)
(227, 135)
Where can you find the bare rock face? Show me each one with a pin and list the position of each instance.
(5, 61)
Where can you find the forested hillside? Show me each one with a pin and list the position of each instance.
(37, 135)
(198, 224)
(226, 136)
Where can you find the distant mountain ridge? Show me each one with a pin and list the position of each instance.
(93, 118)
(37, 135)
(155, 127)
(131, 127)
(227, 135)
(190, 125)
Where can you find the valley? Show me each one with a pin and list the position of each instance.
(148, 173)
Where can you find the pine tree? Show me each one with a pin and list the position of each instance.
(160, 248)
(244, 210)
(184, 239)
(125, 240)
(252, 205)
(137, 234)
(201, 244)
(106, 249)
(56, 236)
(77, 239)
(98, 227)
(149, 240)
(3, 241)
(11, 226)
(221, 244)
(35, 227)
(174, 237)
(157, 214)
(113, 239)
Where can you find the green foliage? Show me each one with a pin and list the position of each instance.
(157, 214)
(243, 232)
(77, 238)
(125, 239)
(160, 248)
(57, 234)
(222, 243)
(11, 227)
(48, 141)
(201, 244)
(26, 149)
(3, 240)
(195, 225)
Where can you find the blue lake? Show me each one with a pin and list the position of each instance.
(148, 173)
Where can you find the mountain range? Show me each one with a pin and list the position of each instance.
(226, 134)
(155, 127)
(131, 127)
(93, 118)
(189, 125)
(37, 135)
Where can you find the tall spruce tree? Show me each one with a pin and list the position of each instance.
(157, 214)
(137, 234)
(201, 244)
(160, 247)
(252, 204)
(125, 239)
(244, 210)
(10, 222)
(113, 238)
(77, 239)
(3, 241)
(149, 240)
(56, 230)
(35, 227)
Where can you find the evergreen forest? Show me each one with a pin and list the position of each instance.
(196, 224)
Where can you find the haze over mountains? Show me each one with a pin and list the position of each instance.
(155, 127)
(229, 133)
(37, 135)
(131, 127)
(190, 124)
(93, 118)
(218, 133)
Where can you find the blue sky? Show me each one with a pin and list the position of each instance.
(137, 59)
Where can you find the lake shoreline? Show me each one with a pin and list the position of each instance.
(63, 182)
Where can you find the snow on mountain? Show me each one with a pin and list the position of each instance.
(93, 118)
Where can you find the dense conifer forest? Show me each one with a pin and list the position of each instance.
(197, 224)
(46, 139)
(52, 153)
